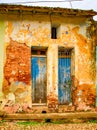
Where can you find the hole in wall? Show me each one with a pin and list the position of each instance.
(47, 120)
(44, 112)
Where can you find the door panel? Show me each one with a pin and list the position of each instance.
(38, 68)
(64, 83)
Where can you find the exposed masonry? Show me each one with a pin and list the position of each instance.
(22, 32)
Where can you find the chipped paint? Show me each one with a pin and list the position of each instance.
(25, 31)
(39, 89)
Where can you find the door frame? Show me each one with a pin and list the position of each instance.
(36, 48)
(72, 71)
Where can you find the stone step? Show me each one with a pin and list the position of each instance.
(71, 115)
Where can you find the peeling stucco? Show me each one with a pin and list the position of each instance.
(20, 33)
(2, 33)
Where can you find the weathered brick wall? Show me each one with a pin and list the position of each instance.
(22, 32)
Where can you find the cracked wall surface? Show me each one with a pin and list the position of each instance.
(20, 33)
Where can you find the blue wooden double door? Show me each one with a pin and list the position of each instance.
(39, 77)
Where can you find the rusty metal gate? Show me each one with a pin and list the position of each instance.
(64, 76)
(38, 73)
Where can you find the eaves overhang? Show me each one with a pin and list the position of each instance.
(5, 8)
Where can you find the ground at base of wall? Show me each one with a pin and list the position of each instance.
(55, 125)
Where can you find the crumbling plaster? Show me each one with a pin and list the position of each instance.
(20, 32)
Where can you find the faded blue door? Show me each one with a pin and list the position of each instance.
(64, 78)
(38, 68)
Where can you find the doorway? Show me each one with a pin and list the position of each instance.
(38, 73)
(64, 76)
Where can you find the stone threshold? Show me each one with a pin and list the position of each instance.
(71, 115)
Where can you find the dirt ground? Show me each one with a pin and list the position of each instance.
(48, 126)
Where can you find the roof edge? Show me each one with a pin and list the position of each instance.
(66, 11)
